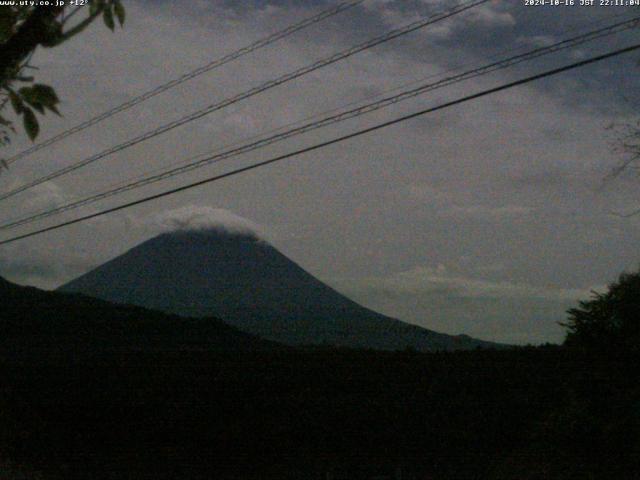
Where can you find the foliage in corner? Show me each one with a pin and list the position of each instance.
(608, 321)
(24, 28)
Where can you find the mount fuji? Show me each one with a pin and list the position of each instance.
(246, 282)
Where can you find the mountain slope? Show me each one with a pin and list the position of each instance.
(250, 285)
(34, 320)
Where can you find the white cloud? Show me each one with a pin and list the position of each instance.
(461, 207)
(423, 279)
(450, 302)
(195, 217)
(538, 40)
(487, 15)
(45, 196)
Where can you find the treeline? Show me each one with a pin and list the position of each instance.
(90, 390)
(528, 413)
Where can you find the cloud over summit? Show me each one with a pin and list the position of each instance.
(202, 218)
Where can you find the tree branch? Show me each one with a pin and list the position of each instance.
(78, 28)
(33, 32)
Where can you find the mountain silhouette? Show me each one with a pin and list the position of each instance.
(249, 284)
(33, 320)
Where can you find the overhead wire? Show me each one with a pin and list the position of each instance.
(202, 160)
(411, 27)
(343, 106)
(336, 140)
(286, 32)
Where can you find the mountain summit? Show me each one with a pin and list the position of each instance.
(249, 284)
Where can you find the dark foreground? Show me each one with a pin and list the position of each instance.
(529, 413)
(93, 390)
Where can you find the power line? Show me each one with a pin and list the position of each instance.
(288, 31)
(330, 120)
(590, 36)
(327, 143)
(250, 93)
(286, 126)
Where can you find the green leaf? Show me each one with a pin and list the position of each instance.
(45, 94)
(38, 107)
(30, 123)
(28, 95)
(7, 24)
(54, 109)
(16, 102)
(107, 15)
(52, 34)
(118, 9)
(40, 97)
(95, 7)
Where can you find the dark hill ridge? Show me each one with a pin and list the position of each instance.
(32, 320)
(252, 286)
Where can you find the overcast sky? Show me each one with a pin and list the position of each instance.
(489, 218)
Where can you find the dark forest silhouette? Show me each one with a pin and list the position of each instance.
(247, 409)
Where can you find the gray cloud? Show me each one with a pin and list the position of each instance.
(41, 266)
(504, 190)
(442, 300)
